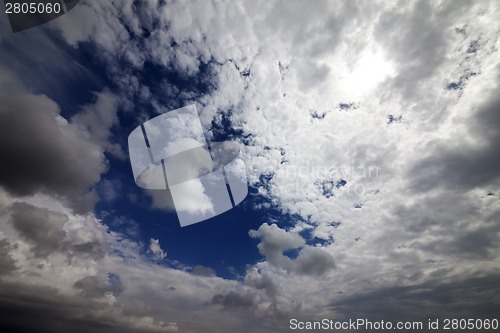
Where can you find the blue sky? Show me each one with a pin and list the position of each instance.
(369, 133)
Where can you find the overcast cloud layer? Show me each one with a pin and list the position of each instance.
(374, 125)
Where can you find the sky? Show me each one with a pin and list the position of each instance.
(370, 136)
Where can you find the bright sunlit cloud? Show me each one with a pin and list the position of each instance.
(366, 72)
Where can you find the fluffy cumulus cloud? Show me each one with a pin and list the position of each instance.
(373, 124)
(155, 250)
(275, 241)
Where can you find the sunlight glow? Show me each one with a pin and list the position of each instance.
(367, 72)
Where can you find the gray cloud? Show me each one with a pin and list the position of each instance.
(262, 281)
(472, 297)
(274, 241)
(446, 225)
(433, 212)
(200, 270)
(465, 166)
(314, 261)
(480, 243)
(43, 229)
(52, 312)
(7, 264)
(93, 286)
(415, 36)
(42, 152)
(234, 301)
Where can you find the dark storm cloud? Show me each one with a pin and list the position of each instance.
(43, 229)
(30, 309)
(475, 297)
(40, 151)
(465, 166)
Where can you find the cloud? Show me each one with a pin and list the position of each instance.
(275, 65)
(44, 230)
(275, 241)
(51, 271)
(41, 151)
(156, 252)
(417, 42)
(190, 197)
(468, 165)
(98, 119)
(234, 301)
(55, 273)
(314, 261)
(443, 299)
(92, 286)
(110, 189)
(7, 264)
(56, 312)
(297, 81)
(41, 227)
(200, 270)
(264, 281)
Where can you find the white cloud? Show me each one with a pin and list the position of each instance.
(98, 119)
(190, 197)
(274, 242)
(156, 251)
